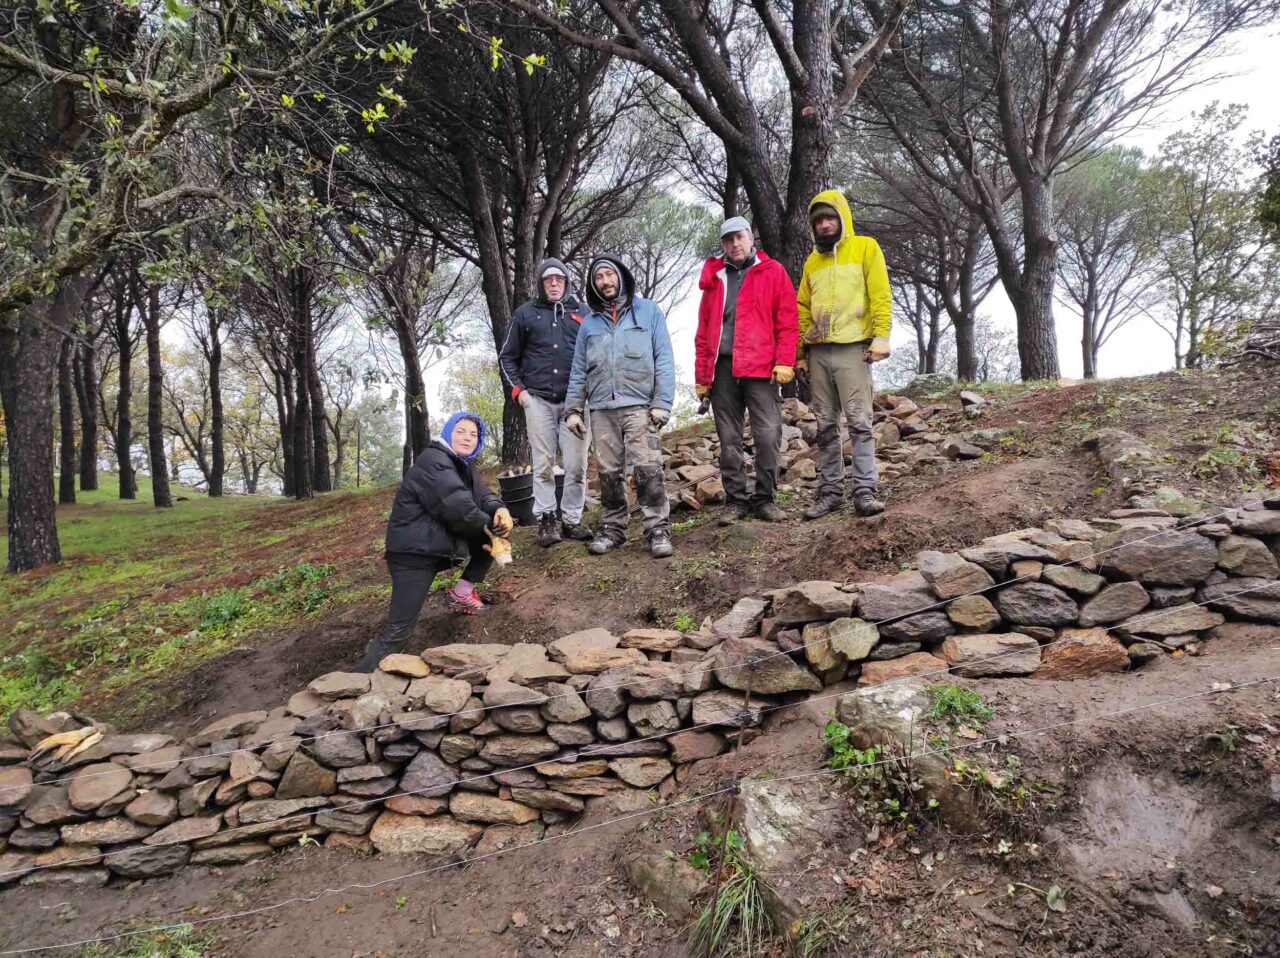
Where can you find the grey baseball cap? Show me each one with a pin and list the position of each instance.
(734, 224)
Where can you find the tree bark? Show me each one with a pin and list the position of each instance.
(300, 416)
(124, 394)
(86, 381)
(323, 478)
(218, 466)
(67, 460)
(417, 423)
(160, 494)
(30, 340)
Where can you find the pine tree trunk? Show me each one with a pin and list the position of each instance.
(300, 416)
(160, 494)
(218, 454)
(87, 396)
(124, 400)
(319, 428)
(1033, 298)
(67, 461)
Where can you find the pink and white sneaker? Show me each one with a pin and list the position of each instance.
(469, 604)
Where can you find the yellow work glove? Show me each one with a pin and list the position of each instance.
(701, 391)
(499, 548)
(502, 522)
(879, 349)
(802, 365)
(783, 375)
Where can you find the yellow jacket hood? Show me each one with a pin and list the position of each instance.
(836, 200)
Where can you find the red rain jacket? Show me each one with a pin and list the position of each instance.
(765, 327)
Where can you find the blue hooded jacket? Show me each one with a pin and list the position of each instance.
(623, 363)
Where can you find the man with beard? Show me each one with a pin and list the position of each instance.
(624, 375)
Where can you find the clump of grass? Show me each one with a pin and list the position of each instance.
(684, 622)
(957, 706)
(222, 608)
(184, 941)
(735, 921)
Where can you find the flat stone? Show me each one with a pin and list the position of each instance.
(465, 658)
(891, 670)
(95, 785)
(593, 651)
(524, 719)
(70, 877)
(34, 838)
(15, 786)
(144, 861)
(563, 704)
(1171, 557)
(652, 640)
(119, 745)
(1081, 654)
(742, 620)
(973, 613)
(577, 733)
(724, 708)
(1246, 556)
(1036, 603)
(340, 685)
(272, 730)
(186, 830)
(654, 680)
(388, 683)
(353, 822)
(545, 798)
(396, 834)
(653, 718)
(416, 805)
(1002, 653)
(68, 856)
(338, 749)
(927, 627)
(304, 777)
(501, 693)
(111, 831)
(517, 749)
(759, 666)
(1114, 603)
(473, 807)
(161, 761)
(605, 696)
(305, 704)
(694, 745)
(1263, 522)
(641, 772)
(893, 650)
(441, 695)
(229, 726)
(812, 601)
(269, 810)
(881, 602)
(671, 883)
(1072, 529)
(428, 775)
(1246, 598)
(828, 645)
(400, 663)
(1074, 580)
(231, 854)
(499, 837)
(152, 808)
(588, 787)
(454, 748)
(1179, 620)
(13, 865)
(582, 769)
(950, 576)
(995, 555)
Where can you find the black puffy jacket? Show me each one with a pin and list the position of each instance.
(441, 503)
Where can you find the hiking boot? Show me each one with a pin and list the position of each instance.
(469, 604)
(660, 544)
(734, 512)
(866, 503)
(768, 511)
(579, 531)
(603, 543)
(548, 533)
(828, 502)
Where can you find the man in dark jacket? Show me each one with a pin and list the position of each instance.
(535, 362)
(745, 349)
(440, 518)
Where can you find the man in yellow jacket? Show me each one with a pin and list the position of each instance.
(844, 303)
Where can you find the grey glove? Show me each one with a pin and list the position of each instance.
(576, 425)
(659, 417)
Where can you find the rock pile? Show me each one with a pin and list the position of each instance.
(489, 745)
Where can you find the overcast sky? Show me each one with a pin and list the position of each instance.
(1139, 347)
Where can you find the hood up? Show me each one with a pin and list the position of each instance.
(625, 295)
(836, 200)
(446, 434)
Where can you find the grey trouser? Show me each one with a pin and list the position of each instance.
(626, 437)
(730, 398)
(548, 436)
(840, 381)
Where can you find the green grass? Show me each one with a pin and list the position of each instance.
(957, 706)
(180, 942)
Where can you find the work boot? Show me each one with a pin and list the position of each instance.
(660, 544)
(768, 511)
(548, 533)
(734, 512)
(827, 502)
(866, 503)
(579, 531)
(604, 542)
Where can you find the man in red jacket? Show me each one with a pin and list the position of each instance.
(746, 350)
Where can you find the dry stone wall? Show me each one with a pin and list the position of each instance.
(485, 746)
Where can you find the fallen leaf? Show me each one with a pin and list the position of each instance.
(1213, 891)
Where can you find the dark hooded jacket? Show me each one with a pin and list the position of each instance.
(538, 350)
(441, 502)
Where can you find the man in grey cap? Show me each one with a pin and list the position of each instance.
(745, 350)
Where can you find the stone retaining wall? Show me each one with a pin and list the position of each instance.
(487, 746)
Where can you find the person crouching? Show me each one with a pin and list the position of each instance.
(441, 516)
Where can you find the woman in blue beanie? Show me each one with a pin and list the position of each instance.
(440, 518)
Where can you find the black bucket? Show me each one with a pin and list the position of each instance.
(516, 489)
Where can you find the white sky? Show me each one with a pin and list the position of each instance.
(1137, 348)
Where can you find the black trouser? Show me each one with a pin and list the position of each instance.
(409, 587)
(730, 399)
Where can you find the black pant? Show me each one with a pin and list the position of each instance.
(410, 584)
(731, 398)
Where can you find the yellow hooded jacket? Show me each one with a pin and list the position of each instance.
(844, 295)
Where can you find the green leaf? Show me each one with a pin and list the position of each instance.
(1056, 899)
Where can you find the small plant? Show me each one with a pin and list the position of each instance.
(819, 934)
(401, 902)
(956, 706)
(1213, 462)
(884, 781)
(1005, 789)
(735, 920)
(182, 941)
(785, 497)
(684, 622)
(222, 608)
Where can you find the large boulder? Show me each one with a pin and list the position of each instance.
(812, 601)
(758, 665)
(396, 834)
(1036, 603)
(1170, 557)
(951, 576)
(1081, 654)
(1247, 598)
(1000, 653)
